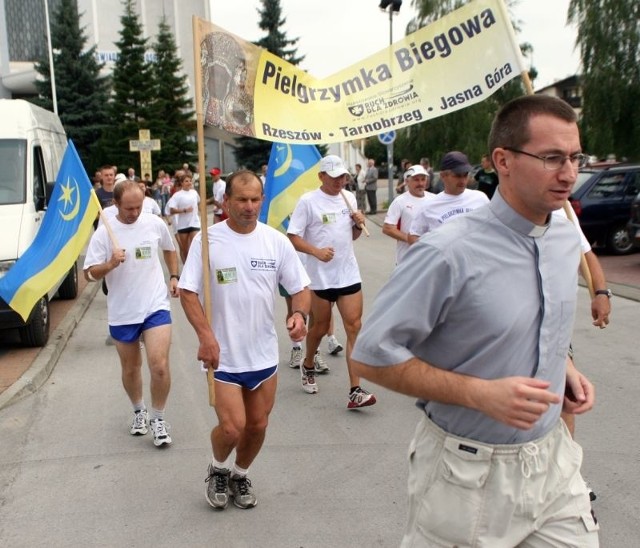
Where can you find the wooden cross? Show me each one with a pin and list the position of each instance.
(144, 145)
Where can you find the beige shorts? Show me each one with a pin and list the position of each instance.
(465, 493)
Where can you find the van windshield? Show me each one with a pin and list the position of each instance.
(13, 154)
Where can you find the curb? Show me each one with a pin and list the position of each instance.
(46, 360)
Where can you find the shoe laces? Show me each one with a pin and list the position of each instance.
(359, 395)
(220, 479)
(528, 456)
(309, 375)
(160, 428)
(139, 419)
(244, 485)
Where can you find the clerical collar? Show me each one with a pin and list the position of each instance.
(514, 220)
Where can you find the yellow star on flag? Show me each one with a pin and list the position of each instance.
(67, 191)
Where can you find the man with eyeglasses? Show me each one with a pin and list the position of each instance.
(491, 462)
(455, 198)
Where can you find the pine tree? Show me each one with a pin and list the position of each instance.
(81, 92)
(275, 41)
(252, 153)
(171, 118)
(132, 92)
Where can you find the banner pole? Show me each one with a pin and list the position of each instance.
(203, 194)
(361, 226)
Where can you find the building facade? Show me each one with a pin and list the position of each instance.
(23, 38)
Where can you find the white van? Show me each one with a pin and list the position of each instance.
(32, 144)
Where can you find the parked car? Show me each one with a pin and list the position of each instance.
(602, 200)
(634, 222)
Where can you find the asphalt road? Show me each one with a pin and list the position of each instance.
(71, 475)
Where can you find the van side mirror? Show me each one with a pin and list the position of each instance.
(43, 202)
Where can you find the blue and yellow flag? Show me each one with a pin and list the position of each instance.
(66, 226)
(292, 171)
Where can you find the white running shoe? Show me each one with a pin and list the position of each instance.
(334, 346)
(360, 398)
(308, 380)
(319, 364)
(139, 424)
(296, 357)
(160, 434)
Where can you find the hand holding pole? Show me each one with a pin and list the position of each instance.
(361, 226)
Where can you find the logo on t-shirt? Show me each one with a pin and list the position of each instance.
(263, 264)
(453, 213)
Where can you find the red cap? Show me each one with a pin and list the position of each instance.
(215, 171)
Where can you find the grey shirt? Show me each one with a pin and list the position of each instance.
(490, 295)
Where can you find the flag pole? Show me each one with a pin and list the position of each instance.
(203, 194)
(107, 225)
(584, 266)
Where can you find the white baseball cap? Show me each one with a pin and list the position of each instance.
(415, 170)
(333, 166)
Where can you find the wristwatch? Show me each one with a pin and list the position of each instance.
(606, 292)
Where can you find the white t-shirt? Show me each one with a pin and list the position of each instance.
(184, 199)
(149, 205)
(245, 270)
(401, 213)
(443, 208)
(218, 194)
(108, 212)
(137, 287)
(325, 221)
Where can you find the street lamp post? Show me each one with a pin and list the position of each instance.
(393, 7)
(52, 72)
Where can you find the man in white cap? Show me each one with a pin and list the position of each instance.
(323, 227)
(454, 200)
(404, 207)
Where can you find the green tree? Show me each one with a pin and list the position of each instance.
(250, 152)
(171, 117)
(81, 92)
(609, 41)
(132, 92)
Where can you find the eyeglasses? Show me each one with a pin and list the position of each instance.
(554, 162)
